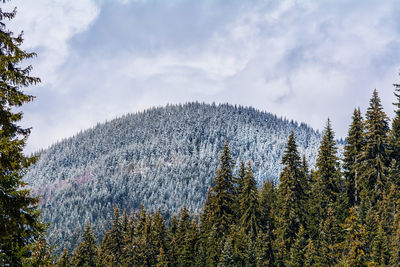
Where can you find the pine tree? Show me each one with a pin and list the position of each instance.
(64, 260)
(227, 255)
(162, 259)
(375, 157)
(297, 251)
(395, 241)
(41, 255)
(395, 134)
(86, 253)
(352, 156)
(267, 206)
(327, 184)
(264, 250)
(311, 256)
(112, 245)
(290, 200)
(353, 246)
(223, 214)
(329, 240)
(249, 206)
(19, 223)
(158, 235)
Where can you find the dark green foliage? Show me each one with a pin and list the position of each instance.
(290, 200)
(297, 251)
(395, 133)
(222, 215)
(86, 252)
(352, 156)
(249, 205)
(375, 157)
(64, 260)
(19, 221)
(353, 246)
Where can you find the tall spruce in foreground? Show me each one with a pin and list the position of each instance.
(327, 185)
(375, 156)
(352, 153)
(223, 215)
(249, 205)
(290, 200)
(19, 223)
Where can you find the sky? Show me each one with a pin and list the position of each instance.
(303, 60)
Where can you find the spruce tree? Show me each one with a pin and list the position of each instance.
(249, 205)
(290, 200)
(19, 220)
(297, 251)
(64, 260)
(267, 206)
(327, 185)
(223, 214)
(329, 240)
(352, 157)
(353, 246)
(375, 157)
(86, 252)
(395, 134)
(395, 240)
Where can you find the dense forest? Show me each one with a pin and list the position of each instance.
(343, 209)
(162, 158)
(340, 213)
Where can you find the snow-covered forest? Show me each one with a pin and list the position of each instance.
(162, 158)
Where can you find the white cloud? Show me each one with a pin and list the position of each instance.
(305, 60)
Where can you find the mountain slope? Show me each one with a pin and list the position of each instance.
(161, 158)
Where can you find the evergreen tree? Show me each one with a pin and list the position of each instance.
(158, 236)
(19, 220)
(297, 251)
(290, 200)
(375, 157)
(352, 156)
(41, 255)
(227, 255)
(267, 206)
(249, 206)
(112, 245)
(395, 134)
(327, 184)
(64, 260)
(162, 259)
(264, 250)
(86, 253)
(395, 241)
(311, 256)
(329, 240)
(223, 214)
(353, 246)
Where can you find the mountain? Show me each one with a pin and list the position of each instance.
(162, 158)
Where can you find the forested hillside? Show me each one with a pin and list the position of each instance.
(162, 158)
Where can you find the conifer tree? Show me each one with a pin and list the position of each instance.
(352, 156)
(327, 184)
(395, 241)
(19, 223)
(353, 246)
(311, 256)
(86, 252)
(41, 255)
(267, 206)
(158, 235)
(113, 243)
(64, 260)
(223, 194)
(297, 251)
(375, 157)
(329, 240)
(264, 250)
(249, 205)
(162, 259)
(290, 200)
(395, 134)
(227, 255)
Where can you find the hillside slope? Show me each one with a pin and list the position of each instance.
(161, 158)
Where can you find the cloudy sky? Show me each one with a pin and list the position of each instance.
(304, 60)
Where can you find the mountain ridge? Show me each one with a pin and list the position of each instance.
(163, 158)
